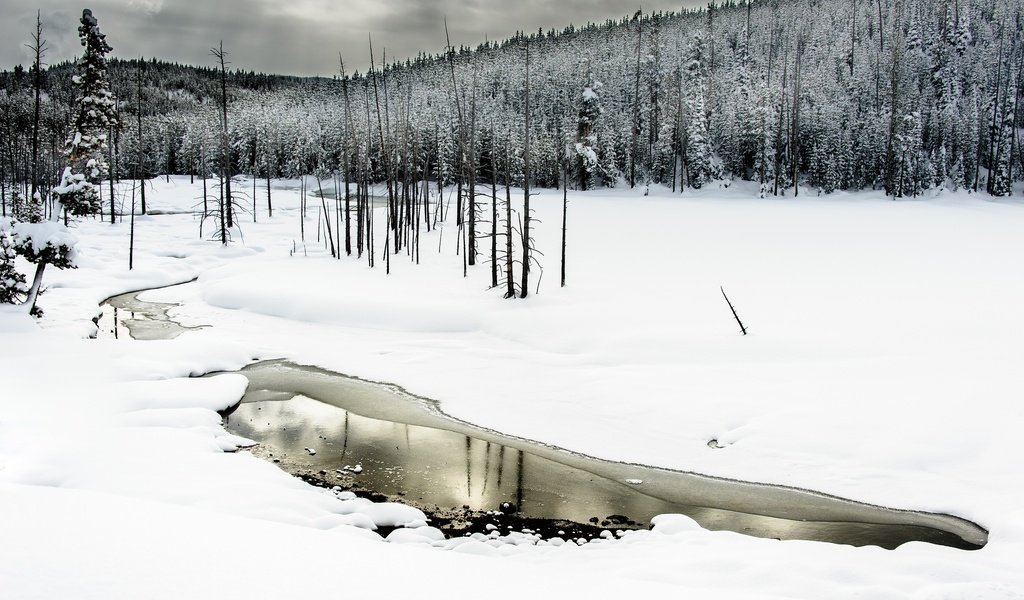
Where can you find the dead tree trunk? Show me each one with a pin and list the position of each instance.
(471, 204)
(733, 309)
(795, 142)
(140, 169)
(347, 158)
(510, 286)
(225, 141)
(565, 210)
(387, 168)
(525, 285)
(494, 211)
(38, 48)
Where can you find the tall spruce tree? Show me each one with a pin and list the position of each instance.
(586, 140)
(50, 242)
(701, 163)
(95, 116)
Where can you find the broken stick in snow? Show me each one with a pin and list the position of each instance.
(742, 328)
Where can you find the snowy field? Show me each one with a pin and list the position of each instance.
(883, 365)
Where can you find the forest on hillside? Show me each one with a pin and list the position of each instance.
(899, 95)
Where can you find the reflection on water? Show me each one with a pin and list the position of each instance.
(376, 201)
(435, 467)
(127, 317)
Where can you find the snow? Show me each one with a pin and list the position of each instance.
(72, 183)
(882, 365)
(39, 236)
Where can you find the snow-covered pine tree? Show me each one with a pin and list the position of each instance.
(96, 115)
(586, 140)
(764, 163)
(12, 283)
(701, 164)
(50, 242)
(909, 167)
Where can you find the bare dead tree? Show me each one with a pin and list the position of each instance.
(225, 147)
(327, 215)
(565, 210)
(139, 170)
(387, 164)
(795, 140)
(510, 285)
(38, 48)
(131, 229)
(472, 205)
(494, 209)
(346, 168)
(733, 309)
(525, 285)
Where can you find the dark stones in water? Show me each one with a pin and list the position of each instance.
(464, 521)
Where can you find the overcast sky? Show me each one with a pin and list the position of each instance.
(299, 37)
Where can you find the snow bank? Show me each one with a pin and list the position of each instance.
(882, 365)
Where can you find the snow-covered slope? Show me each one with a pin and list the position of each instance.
(882, 365)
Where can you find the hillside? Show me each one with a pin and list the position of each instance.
(902, 96)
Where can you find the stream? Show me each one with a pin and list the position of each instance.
(380, 441)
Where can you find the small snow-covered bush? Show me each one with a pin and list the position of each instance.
(12, 283)
(48, 241)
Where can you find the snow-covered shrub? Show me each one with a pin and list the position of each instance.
(47, 241)
(12, 283)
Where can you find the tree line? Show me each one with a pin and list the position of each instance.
(900, 95)
(895, 95)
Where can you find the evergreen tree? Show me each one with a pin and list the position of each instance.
(586, 139)
(96, 115)
(49, 242)
(701, 164)
(12, 283)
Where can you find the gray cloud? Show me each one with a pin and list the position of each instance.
(301, 37)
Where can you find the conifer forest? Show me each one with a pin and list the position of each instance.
(900, 96)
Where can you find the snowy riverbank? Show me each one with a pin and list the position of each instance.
(882, 365)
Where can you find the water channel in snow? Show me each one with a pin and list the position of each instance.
(378, 439)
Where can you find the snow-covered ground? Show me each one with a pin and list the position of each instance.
(882, 365)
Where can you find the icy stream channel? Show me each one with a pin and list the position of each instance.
(378, 437)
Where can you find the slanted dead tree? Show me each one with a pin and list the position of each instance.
(743, 328)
